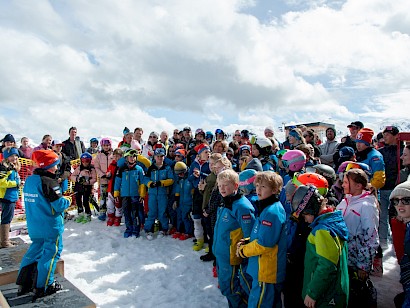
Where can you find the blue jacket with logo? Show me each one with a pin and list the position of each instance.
(164, 175)
(234, 222)
(374, 159)
(266, 249)
(129, 181)
(184, 190)
(44, 205)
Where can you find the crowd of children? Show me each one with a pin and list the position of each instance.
(277, 220)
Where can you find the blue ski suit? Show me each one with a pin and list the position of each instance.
(234, 222)
(158, 180)
(266, 251)
(45, 223)
(129, 184)
(184, 192)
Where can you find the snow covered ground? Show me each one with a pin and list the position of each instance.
(118, 272)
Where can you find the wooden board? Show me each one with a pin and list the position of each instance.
(69, 297)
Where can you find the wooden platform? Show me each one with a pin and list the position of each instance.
(10, 259)
(69, 297)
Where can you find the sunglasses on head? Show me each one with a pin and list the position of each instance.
(404, 201)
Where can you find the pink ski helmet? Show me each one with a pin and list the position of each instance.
(294, 160)
(105, 141)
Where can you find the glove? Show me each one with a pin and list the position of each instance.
(155, 184)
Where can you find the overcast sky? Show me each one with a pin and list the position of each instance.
(102, 65)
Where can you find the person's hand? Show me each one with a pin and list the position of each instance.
(141, 199)
(108, 174)
(59, 180)
(174, 205)
(363, 275)
(201, 184)
(205, 213)
(196, 173)
(309, 302)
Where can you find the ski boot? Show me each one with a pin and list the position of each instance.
(110, 220)
(184, 237)
(207, 257)
(102, 216)
(87, 218)
(117, 221)
(161, 234)
(51, 289)
(79, 218)
(176, 235)
(198, 245)
(150, 236)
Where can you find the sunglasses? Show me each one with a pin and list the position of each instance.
(153, 137)
(404, 201)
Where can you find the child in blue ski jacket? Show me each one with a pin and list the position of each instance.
(183, 191)
(9, 191)
(129, 186)
(45, 223)
(266, 247)
(234, 222)
(197, 173)
(158, 179)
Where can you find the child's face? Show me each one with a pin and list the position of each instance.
(13, 159)
(351, 187)
(117, 157)
(94, 144)
(159, 159)
(58, 148)
(204, 155)
(263, 190)
(218, 167)
(245, 153)
(178, 158)
(106, 147)
(255, 151)
(227, 188)
(131, 159)
(53, 169)
(403, 210)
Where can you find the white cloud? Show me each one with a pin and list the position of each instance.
(82, 61)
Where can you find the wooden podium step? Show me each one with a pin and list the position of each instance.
(10, 259)
(68, 297)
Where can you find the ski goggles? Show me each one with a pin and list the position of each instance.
(396, 201)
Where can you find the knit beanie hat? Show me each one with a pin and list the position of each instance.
(201, 147)
(365, 135)
(8, 137)
(45, 159)
(401, 190)
(254, 164)
(246, 179)
(7, 152)
(181, 152)
(331, 128)
(126, 131)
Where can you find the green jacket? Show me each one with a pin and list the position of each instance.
(326, 277)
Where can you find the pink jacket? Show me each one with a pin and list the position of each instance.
(101, 163)
(88, 173)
